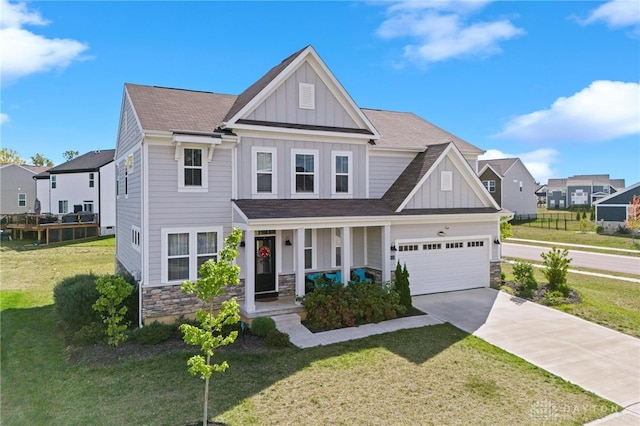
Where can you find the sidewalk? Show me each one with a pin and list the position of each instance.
(571, 245)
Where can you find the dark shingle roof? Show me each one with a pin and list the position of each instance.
(91, 161)
(331, 208)
(500, 165)
(412, 175)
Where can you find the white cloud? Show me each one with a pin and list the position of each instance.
(616, 14)
(4, 118)
(603, 111)
(24, 52)
(538, 162)
(441, 30)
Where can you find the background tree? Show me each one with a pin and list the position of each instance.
(215, 275)
(39, 160)
(505, 229)
(70, 155)
(633, 219)
(10, 156)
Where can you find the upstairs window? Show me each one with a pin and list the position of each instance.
(263, 165)
(305, 171)
(341, 172)
(490, 185)
(22, 200)
(54, 182)
(91, 180)
(192, 170)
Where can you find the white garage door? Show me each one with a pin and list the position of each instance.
(437, 266)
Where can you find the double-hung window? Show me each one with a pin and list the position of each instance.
(22, 200)
(305, 170)
(63, 206)
(263, 165)
(92, 181)
(341, 171)
(490, 185)
(184, 250)
(54, 181)
(192, 169)
(336, 242)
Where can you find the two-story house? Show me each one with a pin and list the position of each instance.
(83, 184)
(580, 190)
(511, 184)
(17, 189)
(316, 183)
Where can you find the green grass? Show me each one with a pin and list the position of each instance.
(572, 237)
(612, 303)
(431, 375)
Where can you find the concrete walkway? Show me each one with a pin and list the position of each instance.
(593, 357)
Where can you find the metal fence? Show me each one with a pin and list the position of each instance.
(557, 221)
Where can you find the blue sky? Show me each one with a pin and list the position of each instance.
(554, 83)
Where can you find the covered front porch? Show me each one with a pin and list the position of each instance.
(279, 258)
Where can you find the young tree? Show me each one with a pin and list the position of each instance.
(70, 154)
(402, 285)
(113, 290)
(556, 265)
(505, 229)
(214, 277)
(39, 160)
(10, 156)
(633, 218)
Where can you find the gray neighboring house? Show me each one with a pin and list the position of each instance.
(509, 182)
(541, 193)
(613, 210)
(318, 185)
(17, 188)
(580, 190)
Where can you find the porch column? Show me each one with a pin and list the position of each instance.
(346, 255)
(249, 272)
(386, 253)
(299, 262)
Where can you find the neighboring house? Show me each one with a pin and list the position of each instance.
(580, 190)
(17, 189)
(83, 184)
(317, 184)
(541, 193)
(510, 184)
(613, 210)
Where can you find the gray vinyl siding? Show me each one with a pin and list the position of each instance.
(284, 166)
(374, 247)
(16, 180)
(429, 194)
(282, 105)
(169, 208)
(521, 203)
(129, 213)
(384, 170)
(129, 132)
(357, 241)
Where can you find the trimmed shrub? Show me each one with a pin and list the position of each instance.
(277, 339)
(556, 264)
(74, 298)
(261, 326)
(524, 279)
(154, 333)
(401, 282)
(89, 334)
(553, 298)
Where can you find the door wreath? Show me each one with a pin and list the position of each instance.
(264, 251)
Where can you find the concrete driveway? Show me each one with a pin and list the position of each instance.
(593, 357)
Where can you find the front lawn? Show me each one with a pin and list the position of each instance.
(609, 302)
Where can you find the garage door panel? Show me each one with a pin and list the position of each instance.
(462, 266)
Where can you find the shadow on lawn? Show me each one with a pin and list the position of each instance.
(31, 337)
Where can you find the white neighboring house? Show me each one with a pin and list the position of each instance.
(317, 184)
(17, 189)
(83, 184)
(511, 184)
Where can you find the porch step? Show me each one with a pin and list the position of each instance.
(286, 320)
(300, 336)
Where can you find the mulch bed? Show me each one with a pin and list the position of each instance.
(538, 295)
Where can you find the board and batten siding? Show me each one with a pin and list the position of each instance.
(282, 105)
(129, 213)
(430, 195)
(169, 208)
(384, 170)
(284, 165)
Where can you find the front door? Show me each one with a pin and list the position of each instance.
(265, 266)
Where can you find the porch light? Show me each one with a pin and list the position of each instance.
(242, 243)
(287, 242)
(441, 233)
(393, 248)
(496, 241)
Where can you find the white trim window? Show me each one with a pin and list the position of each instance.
(135, 237)
(341, 172)
(192, 170)
(54, 182)
(263, 171)
(63, 206)
(117, 181)
(184, 250)
(336, 246)
(87, 206)
(304, 175)
(22, 200)
(310, 259)
(92, 180)
(490, 185)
